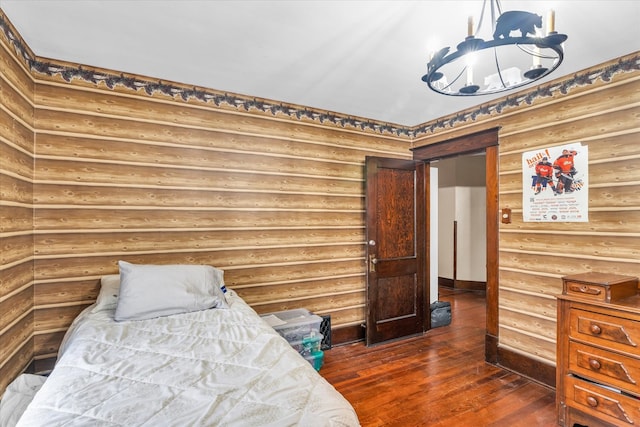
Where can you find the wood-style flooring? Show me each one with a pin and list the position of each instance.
(439, 378)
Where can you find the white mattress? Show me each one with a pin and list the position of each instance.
(218, 367)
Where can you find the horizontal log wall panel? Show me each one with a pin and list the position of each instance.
(215, 145)
(163, 176)
(536, 304)
(17, 134)
(14, 69)
(17, 162)
(103, 195)
(127, 242)
(17, 363)
(16, 190)
(534, 256)
(549, 285)
(126, 152)
(16, 219)
(16, 248)
(14, 277)
(610, 246)
(208, 141)
(524, 321)
(15, 101)
(48, 343)
(246, 273)
(55, 319)
(224, 257)
(537, 347)
(139, 110)
(64, 292)
(289, 290)
(557, 262)
(247, 277)
(16, 336)
(323, 304)
(68, 217)
(346, 316)
(15, 307)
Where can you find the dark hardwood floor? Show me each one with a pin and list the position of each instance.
(438, 379)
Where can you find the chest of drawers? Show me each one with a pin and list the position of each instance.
(598, 354)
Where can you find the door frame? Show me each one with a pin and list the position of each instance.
(484, 141)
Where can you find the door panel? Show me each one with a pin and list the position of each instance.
(396, 252)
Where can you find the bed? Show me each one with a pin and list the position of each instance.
(149, 355)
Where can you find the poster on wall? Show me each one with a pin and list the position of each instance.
(555, 184)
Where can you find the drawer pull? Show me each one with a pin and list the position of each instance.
(604, 366)
(601, 403)
(584, 289)
(616, 332)
(592, 401)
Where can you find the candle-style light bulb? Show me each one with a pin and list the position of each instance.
(536, 52)
(551, 24)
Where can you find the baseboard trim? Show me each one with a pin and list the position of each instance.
(535, 370)
(347, 334)
(467, 285)
(491, 349)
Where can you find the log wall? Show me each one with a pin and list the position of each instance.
(600, 109)
(125, 169)
(16, 213)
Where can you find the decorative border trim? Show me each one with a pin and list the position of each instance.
(209, 96)
(239, 102)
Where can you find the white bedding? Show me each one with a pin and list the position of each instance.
(217, 367)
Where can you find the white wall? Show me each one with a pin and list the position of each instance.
(433, 236)
(462, 198)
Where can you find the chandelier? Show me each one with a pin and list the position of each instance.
(482, 67)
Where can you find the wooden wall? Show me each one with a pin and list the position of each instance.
(273, 194)
(16, 213)
(604, 115)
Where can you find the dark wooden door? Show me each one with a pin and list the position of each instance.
(397, 270)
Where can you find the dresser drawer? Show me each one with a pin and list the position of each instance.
(605, 287)
(606, 331)
(605, 367)
(607, 405)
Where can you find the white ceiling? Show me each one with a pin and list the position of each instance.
(360, 58)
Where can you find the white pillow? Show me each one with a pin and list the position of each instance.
(108, 296)
(148, 291)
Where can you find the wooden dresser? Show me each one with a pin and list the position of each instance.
(598, 358)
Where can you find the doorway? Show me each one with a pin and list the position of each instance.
(460, 203)
(481, 142)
